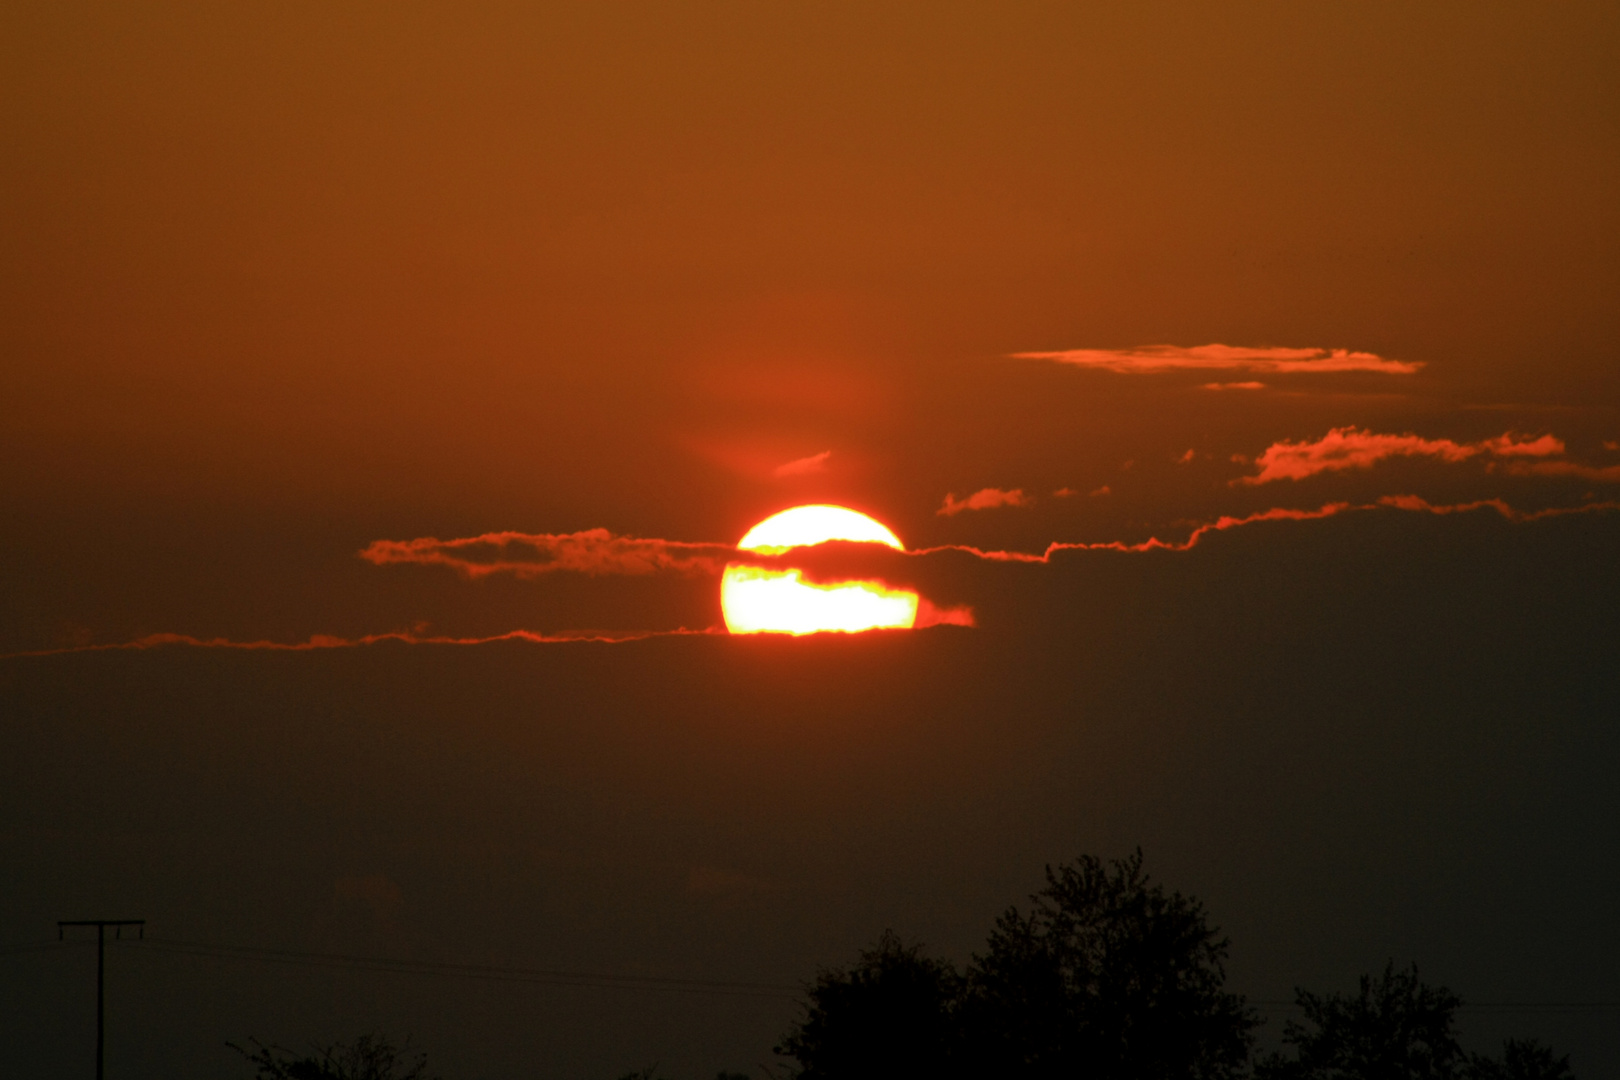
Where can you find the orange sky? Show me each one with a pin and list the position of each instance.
(398, 271)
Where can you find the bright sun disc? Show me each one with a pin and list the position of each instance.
(758, 600)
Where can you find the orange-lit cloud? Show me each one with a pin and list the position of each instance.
(331, 641)
(1413, 503)
(529, 555)
(1234, 386)
(1609, 474)
(984, 499)
(1353, 448)
(1148, 359)
(804, 466)
(929, 615)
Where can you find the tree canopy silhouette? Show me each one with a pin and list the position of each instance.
(1395, 1028)
(889, 1014)
(1107, 976)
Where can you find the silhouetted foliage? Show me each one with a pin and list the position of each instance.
(370, 1057)
(1107, 976)
(1522, 1059)
(889, 1015)
(1395, 1028)
(650, 1073)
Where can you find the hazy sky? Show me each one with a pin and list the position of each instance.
(1292, 326)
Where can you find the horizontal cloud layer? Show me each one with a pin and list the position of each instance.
(1412, 503)
(597, 551)
(1609, 474)
(405, 637)
(527, 555)
(984, 499)
(1354, 448)
(1147, 359)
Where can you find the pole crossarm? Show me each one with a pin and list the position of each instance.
(118, 924)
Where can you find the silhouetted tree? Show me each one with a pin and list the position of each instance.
(370, 1057)
(889, 1015)
(1395, 1028)
(1106, 977)
(1522, 1059)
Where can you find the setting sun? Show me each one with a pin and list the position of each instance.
(758, 600)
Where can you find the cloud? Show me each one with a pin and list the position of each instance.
(331, 641)
(804, 466)
(1148, 359)
(984, 499)
(1104, 490)
(1353, 448)
(527, 555)
(1234, 386)
(1190, 455)
(929, 615)
(1064, 492)
(1411, 503)
(1504, 446)
(1608, 473)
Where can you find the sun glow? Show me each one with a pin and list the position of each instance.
(760, 600)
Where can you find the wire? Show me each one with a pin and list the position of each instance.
(543, 976)
(604, 980)
(12, 950)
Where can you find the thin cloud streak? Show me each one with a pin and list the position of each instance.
(984, 499)
(596, 552)
(1609, 474)
(1153, 359)
(331, 641)
(1355, 448)
(928, 614)
(805, 466)
(1412, 503)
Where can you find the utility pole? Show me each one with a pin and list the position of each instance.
(101, 967)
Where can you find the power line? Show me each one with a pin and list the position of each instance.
(12, 950)
(394, 965)
(608, 980)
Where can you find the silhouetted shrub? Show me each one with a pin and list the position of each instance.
(370, 1057)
